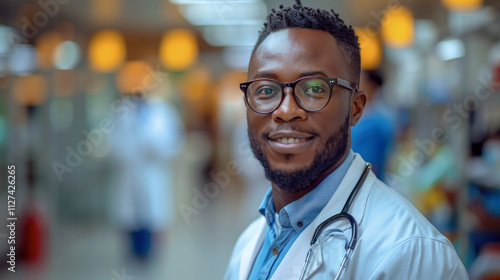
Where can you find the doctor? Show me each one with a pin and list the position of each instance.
(302, 98)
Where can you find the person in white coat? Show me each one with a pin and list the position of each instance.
(148, 136)
(302, 97)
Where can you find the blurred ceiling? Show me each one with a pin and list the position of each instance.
(157, 15)
(153, 17)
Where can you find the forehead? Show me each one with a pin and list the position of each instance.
(292, 52)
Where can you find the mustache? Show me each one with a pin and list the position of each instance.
(291, 127)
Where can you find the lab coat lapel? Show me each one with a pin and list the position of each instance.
(251, 249)
(293, 262)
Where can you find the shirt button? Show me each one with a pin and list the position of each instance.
(275, 251)
(300, 224)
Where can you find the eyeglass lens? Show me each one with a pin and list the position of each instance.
(266, 95)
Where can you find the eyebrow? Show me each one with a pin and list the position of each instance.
(304, 74)
(313, 73)
(264, 75)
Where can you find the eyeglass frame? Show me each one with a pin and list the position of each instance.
(331, 82)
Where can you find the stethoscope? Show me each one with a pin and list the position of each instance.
(342, 215)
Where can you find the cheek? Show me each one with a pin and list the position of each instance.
(256, 124)
(332, 121)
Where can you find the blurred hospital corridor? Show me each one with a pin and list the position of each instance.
(198, 250)
(124, 149)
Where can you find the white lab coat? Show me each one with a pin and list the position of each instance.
(144, 150)
(394, 240)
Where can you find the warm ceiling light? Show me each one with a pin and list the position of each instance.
(196, 83)
(371, 49)
(462, 5)
(398, 27)
(45, 47)
(105, 11)
(132, 77)
(178, 49)
(106, 51)
(30, 90)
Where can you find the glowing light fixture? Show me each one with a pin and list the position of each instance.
(398, 27)
(462, 5)
(450, 49)
(6, 44)
(133, 77)
(30, 90)
(223, 12)
(45, 47)
(371, 49)
(66, 55)
(106, 51)
(195, 84)
(105, 11)
(23, 60)
(231, 35)
(178, 49)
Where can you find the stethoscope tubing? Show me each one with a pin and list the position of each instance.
(342, 215)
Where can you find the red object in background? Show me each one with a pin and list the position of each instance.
(496, 76)
(33, 232)
(33, 229)
(485, 267)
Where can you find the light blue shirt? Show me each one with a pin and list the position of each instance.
(292, 219)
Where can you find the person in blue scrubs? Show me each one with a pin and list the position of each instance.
(373, 136)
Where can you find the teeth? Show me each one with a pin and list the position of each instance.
(285, 140)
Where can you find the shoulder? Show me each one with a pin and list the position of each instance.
(420, 258)
(386, 206)
(401, 242)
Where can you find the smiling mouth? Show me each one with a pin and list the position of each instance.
(289, 136)
(289, 140)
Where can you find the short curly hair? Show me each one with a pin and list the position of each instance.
(299, 16)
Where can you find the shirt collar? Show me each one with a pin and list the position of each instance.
(300, 213)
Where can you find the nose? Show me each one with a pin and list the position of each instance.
(288, 110)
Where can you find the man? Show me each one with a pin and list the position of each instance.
(301, 99)
(373, 135)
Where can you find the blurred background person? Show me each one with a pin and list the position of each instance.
(484, 206)
(373, 136)
(148, 137)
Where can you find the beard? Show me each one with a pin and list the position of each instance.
(294, 181)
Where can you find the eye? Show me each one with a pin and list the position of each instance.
(265, 92)
(314, 89)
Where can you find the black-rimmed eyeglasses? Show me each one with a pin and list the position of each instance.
(310, 93)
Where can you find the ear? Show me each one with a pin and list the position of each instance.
(358, 102)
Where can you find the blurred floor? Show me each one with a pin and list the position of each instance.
(198, 250)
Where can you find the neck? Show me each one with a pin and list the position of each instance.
(282, 198)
